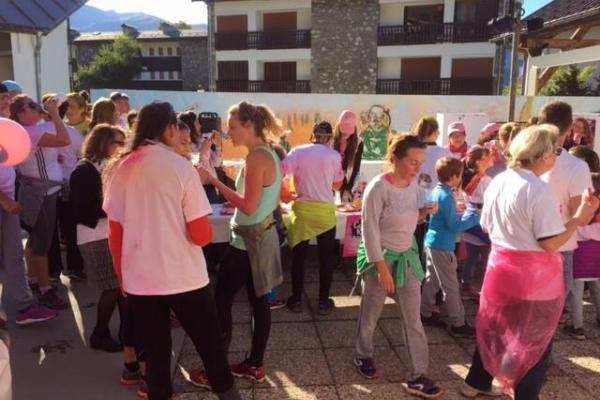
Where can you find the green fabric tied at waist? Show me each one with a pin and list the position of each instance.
(401, 262)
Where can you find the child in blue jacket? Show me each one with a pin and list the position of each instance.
(440, 242)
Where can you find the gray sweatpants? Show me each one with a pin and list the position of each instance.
(408, 299)
(14, 277)
(441, 274)
(577, 300)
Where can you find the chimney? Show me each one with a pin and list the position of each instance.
(168, 29)
(130, 31)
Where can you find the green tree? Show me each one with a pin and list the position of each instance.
(570, 81)
(182, 25)
(114, 66)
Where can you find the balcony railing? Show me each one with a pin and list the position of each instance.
(433, 33)
(262, 40)
(442, 86)
(264, 86)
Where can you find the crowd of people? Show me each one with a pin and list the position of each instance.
(127, 195)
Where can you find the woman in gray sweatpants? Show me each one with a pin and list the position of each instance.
(388, 262)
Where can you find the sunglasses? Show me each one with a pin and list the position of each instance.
(558, 151)
(33, 106)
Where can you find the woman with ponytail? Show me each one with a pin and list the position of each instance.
(158, 223)
(77, 112)
(474, 183)
(253, 259)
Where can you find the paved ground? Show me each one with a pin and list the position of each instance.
(308, 357)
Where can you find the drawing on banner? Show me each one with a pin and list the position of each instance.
(377, 129)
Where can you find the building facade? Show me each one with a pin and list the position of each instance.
(171, 59)
(352, 46)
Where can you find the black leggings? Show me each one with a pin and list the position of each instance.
(326, 252)
(234, 273)
(197, 314)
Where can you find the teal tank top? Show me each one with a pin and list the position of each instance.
(269, 200)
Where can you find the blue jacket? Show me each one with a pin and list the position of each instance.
(447, 223)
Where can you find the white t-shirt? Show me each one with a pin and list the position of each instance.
(428, 177)
(153, 193)
(69, 155)
(478, 193)
(570, 177)
(315, 168)
(85, 234)
(7, 181)
(42, 162)
(589, 232)
(519, 209)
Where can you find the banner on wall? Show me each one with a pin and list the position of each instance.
(352, 236)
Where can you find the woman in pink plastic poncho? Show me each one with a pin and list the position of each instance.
(523, 290)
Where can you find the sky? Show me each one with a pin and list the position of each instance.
(171, 10)
(195, 12)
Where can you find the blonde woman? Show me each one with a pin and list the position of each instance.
(104, 111)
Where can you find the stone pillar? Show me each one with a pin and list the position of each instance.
(194, 64)
(344, 46)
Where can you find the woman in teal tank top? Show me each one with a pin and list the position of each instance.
(250, 262)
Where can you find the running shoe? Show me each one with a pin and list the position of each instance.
(34, 314)
(366, 367)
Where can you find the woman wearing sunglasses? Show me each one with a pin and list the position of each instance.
(158, 223)
(41, 179)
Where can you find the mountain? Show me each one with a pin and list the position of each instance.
(92, 19)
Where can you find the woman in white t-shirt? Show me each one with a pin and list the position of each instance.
(158, 223)
(523, 290)
(40, 178)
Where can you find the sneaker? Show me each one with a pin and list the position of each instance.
(465, 331)
(434, 320)
(294, 305)
(366, 367)
(142, 391)
(33, 314)
(198, 378)
(245, 370)
(277, 303)
(575, 333)
(326, 307)
(469, 391)
(105, 342)
(51, 300)
(130, 378)
(77, 276)
(423, 387)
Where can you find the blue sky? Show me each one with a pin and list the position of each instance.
(532, 5)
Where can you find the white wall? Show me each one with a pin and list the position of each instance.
(303, 70)
(391, 14)
(54, 60)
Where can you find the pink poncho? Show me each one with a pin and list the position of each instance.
(521, 303)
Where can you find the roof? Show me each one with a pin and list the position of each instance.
(559, 10)
(143, 35)
(31, 16)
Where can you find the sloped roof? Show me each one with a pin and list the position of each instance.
(562, 9)
(30, 16)
(143, 35)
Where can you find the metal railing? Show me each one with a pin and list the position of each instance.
(441, 86)
(299, 39)
(263, 86)
(433, 33)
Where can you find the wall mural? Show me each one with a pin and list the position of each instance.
(380, 116)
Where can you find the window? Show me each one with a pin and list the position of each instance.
(160, 51)
(475, 10)
(176, 75)
(417, 15)
(232, 23)
(170, 75)
(233, 70)
(178, 50)
(152, 75)
(421, 68)
(280, 71)
(161, 75)
(151, 51)
(169, 51)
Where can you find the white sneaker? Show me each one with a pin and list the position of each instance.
(471, 392)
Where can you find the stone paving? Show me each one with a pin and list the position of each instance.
(309, 356)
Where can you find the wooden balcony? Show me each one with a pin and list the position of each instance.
(264, 86)
(433, 33)
(262, 40)
(442, 86)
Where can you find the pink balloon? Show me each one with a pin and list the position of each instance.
(15, 143)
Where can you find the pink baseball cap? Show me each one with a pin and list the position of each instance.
(456, 127)
(491, 128)
(347, 121)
